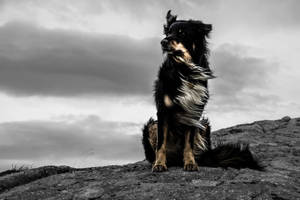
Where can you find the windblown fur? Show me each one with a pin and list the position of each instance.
(181, 135)
(193, 95)
(231, 155)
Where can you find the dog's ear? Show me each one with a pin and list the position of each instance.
(170, 20)
(203, 28)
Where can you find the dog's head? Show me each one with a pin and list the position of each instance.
(185, 40)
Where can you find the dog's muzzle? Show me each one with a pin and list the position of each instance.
(164, 42)
(168, 47)
(165, 45)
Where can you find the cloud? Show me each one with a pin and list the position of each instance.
(37, 61)
(144, 18)
(242, 81)
(266, 14)
(269, 14)
(237, 71)
(244, 88)
(70, 139)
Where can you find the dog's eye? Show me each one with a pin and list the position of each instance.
(180, 32)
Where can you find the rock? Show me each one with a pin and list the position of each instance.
(276, 143)
(286, 118)
(14, 179)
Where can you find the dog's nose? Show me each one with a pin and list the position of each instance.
(164, 42)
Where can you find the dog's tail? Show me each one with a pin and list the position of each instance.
(148, 149)
(229, 155)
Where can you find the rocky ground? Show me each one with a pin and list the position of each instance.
(275, 143)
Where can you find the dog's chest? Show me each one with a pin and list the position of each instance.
(184, 95)
(168, 101)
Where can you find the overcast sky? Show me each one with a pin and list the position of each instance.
(76, 76)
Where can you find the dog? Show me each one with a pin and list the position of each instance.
(181, 135)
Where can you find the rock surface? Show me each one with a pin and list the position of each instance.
(275, 143)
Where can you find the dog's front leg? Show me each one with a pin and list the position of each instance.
(188, 156)
(160, 162)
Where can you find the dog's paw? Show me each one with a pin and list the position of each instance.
(159, 168)
(191, 167)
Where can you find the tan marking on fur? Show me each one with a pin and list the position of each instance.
(160, 162)
(161, 153)
(179, 46)
(168, 102)
(188, 156)
(173, 141)
(153, 136)
(190, 85)
(194, 46)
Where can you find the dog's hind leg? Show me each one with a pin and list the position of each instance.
(160, 162)
(149, 139)
(188, 156)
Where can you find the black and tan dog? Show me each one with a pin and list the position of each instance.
(180, 136)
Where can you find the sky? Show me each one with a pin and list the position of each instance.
(76, 76)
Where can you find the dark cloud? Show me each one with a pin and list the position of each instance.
(242, 81)
(235, 71)
(40, 140)
(36, 61)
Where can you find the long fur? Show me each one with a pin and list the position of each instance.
(181, 93)
(234, 155)
(148, 149)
